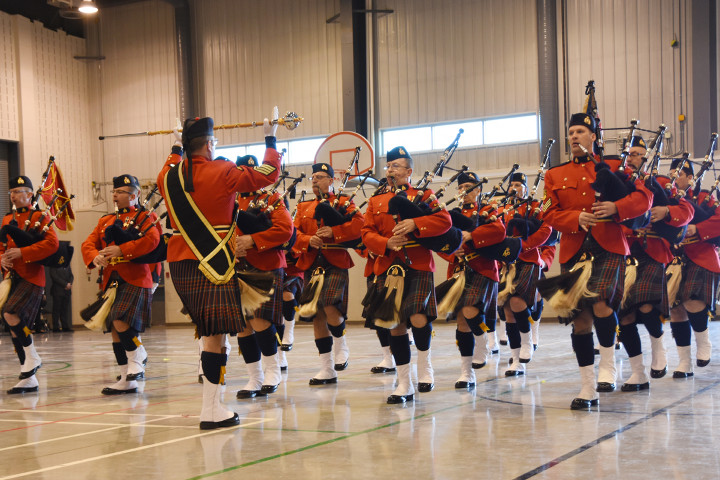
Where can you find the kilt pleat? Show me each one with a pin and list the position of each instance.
(132, 305)
(650, 285)
(335, 291)
(272, 309)
(214, 309)
(698, 284)
(24, 301)
(480, 291)
(525, 282)
(418, 295)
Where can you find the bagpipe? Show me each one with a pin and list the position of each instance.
(530, 222)
(336, 213)
(702, 200)
(258, 215)
(400, 206)
(34, 232)
(130, 229)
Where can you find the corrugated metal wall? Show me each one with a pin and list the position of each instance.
(63, 113)
(459, 59)
(138, 82)
(8, 87)
(625, 46)
(255, 55)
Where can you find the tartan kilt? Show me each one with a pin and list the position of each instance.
(293, 285)
(272, 309)
(334, 292)
(698, 284)
(369, 323)
(132, 305)
(650, 285)
(214, 309)
(525, 282)
(418, 295)
(24, 301)
(607, 278)
(480, 291)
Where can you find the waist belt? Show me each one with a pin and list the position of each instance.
(604, 220)
(116, 260)
(333, 246)
(689, 241)
(471, 256)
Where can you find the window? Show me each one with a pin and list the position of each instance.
(491, 131)
(296, 151)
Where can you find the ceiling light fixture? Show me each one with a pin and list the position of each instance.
(88, 6)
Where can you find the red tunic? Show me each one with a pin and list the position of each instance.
(216, 183)
(27, 267)
(138, 274)
(264, 255)
(379, 225)
(703, 253)
(307, 226)
(568, 193)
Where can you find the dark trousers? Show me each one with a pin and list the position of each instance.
(60, 317)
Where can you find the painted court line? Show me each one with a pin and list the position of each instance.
(123, 452)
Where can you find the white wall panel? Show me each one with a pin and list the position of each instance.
(138, 83)
(254, 55)
(61, 87)
(8, 86)
(624, 45)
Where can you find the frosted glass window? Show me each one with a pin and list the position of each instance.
(512, 129)
(443, 135)
(413, 139)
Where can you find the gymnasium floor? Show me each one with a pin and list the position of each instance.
(506, 428)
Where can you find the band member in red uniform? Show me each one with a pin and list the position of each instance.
(325, 260)
(646, 301)
(259, 252)
(523, 274)
(130, 312)
(481, 278)
(591, 227)
(389, 241)
(200, 197)
(696, 296)
(19, 265)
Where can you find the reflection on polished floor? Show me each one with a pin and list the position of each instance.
(506, 428)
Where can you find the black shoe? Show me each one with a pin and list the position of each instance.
(115, 391)
(582, 404)
(17, 390)
(466, 385)
(339, 367)
(286, 347)
(605, 387)
(503, 342)
(377, 369)
(658, 373)
(677, 374)
(514, 373)
(635, 387)
(230, 422)
(702, 363)
(477, 366)
(525, 360)
(323, 381)
(24, 375)
(268, 389)
(247, 393)
(425, 387)
(396, 399)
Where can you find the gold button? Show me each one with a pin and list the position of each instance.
(583, 178)
(565, 179)
(584, 193)
(563, 187)
(583, 209)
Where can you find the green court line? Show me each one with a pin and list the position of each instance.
(349, 435)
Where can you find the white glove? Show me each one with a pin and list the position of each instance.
(268, 128)
(177, 135)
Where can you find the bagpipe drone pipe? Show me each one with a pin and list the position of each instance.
(122, 232)
(702, 200)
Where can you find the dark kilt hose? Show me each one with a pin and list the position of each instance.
(525, 282)
(24, 301)
(214, 309)
(650, 285)
(418, 295)
(132, 305)
(335, 291)
(608, 275)
(272, 309)
(480, 291)
(697, 284)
